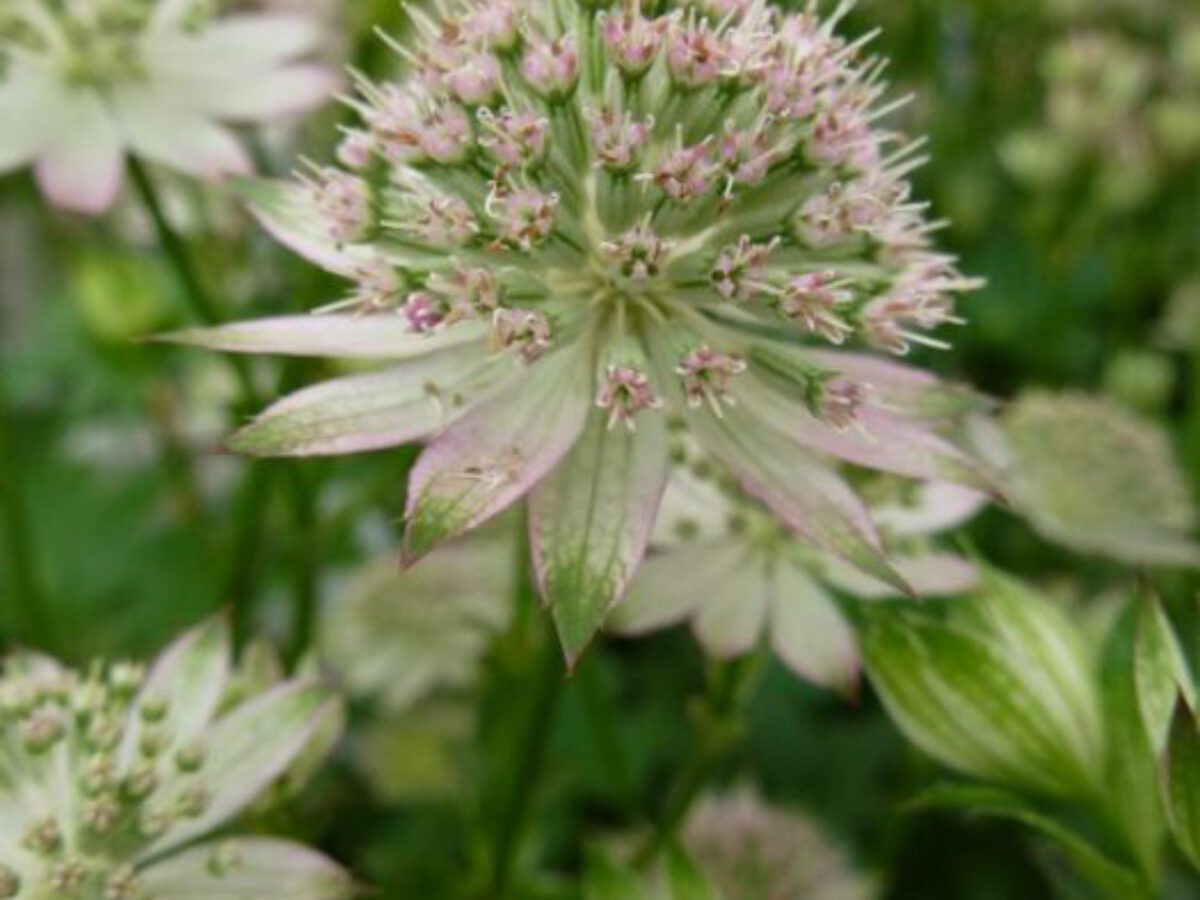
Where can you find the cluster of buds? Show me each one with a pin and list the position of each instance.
(108, 767)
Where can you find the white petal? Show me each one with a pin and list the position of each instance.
(171, 14)
(158, 126)
(190, 677)
(288, 211)
(24, 98)
(590, 522)
(731, 621)
(671, 586)
(808, 631)
(259, 97)
(80, 168)
(938, 506)
(247, 869)
(929, 575)
(244, 43)
(247, 750)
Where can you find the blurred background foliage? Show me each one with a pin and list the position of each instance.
(1066, 140)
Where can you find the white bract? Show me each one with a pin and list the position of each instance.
(84, 82)
(726, 566)
(112, 778)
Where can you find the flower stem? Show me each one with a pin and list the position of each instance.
(1192, 436)
(541, 679)
(28, 579)
(203, 304)
(301, 497)
(718, 730)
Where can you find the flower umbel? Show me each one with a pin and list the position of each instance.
(676, 203)
(109, 777)
(81, 84)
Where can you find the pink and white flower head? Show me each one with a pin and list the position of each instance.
(84, 84)
(645, 211)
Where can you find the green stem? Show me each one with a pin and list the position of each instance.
(301, 498)
(246, 547)
(1192, 438)
(304, 573)
(28, 580)
(542, 680)
(528, 763)
(203, 304)
(601, 719)
(718, 731)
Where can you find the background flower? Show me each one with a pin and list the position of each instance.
(737, 575)
(82, 84)
(111, 776)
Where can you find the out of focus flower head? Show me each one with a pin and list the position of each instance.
(722, 563)
(113, 778)
(1118, 109)
(735, 846)
(1090, 475)
(754, 851)
(83, 82)
(394, 638)
(575, 225)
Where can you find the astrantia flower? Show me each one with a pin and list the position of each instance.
(397, 637)
(111, 779)
(753, 851)
(723, 563)
(83, 82)
(575, 225)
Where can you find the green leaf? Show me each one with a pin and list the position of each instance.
(1118, 881)
(1131, 783)
(591, 519)
(1160, 671)
(1181, 782)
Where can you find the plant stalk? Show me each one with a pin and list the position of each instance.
(251, 519)
(29, 583)
(718, 731)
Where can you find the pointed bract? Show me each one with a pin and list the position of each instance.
(590, 522)
(492, 456)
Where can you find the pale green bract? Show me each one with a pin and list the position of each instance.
(998, 686)
(113, 780)
(575, 226)
(1092, 476)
